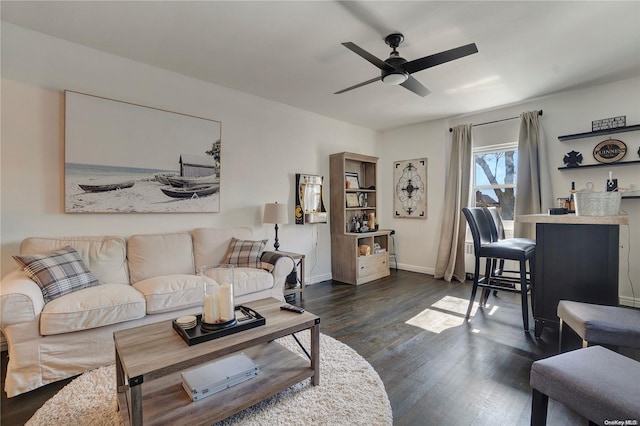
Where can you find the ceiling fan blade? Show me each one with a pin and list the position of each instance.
(366, 55)
(415, 86)
(358, 85)
(360, 11)
(439, 58)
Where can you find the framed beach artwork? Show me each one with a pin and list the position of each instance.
(126, 158)
(410, 183)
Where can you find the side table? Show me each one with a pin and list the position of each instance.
(298, 260)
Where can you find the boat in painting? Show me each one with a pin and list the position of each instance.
(163, 178)
(186, 182)
(106, 186)
(192, 192)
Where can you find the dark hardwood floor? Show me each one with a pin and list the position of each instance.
(445, 372)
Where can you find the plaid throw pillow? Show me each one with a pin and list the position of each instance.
(244, 253)
(58, 272)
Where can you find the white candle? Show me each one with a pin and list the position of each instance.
(227, 310)
(211, 311)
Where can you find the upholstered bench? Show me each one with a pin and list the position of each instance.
(595, 382)
(600, 324)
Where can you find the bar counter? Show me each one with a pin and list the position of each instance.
(572, 219)
(576, 259)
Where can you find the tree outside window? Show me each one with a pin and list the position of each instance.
(494, 182)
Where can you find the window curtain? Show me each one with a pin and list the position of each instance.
(533, 183)
(450, 261)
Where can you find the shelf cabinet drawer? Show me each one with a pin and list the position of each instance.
(374, 264)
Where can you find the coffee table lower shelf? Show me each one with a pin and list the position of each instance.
(165, 401)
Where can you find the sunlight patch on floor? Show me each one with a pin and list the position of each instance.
(446, 313)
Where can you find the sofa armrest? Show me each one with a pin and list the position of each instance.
(282, 266)
(21, 299)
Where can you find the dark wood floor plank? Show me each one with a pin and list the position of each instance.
(473, 373)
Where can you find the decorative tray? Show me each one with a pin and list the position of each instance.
(246, 318)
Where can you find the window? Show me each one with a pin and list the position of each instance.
(494, 180)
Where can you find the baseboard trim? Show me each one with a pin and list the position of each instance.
(419, 269)
(630, 301)
(317, 279)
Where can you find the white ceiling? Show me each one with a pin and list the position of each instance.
(290, 51)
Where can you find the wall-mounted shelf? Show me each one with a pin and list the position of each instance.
(633, 128)
(586, 166)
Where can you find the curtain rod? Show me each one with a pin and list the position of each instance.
(495, 121)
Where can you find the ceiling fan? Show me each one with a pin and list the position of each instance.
(397, 70)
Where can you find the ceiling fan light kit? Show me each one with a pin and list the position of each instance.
(395, 77)
(397, 71)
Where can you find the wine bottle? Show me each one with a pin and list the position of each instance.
(572, 200)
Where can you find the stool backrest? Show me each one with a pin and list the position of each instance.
(479, 225)
(497, 228)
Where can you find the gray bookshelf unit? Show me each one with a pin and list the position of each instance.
(348, 265)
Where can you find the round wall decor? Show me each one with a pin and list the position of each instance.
(610, 151)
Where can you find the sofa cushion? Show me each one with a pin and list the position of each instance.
(246, 280)
(171, 292)
(155, 255)
(251, 280)
(245, 253)
(91, 308)
(105, 256)
(58, 272)
(210, 245)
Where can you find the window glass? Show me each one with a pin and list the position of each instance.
(494, 180)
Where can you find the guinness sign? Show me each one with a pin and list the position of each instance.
(610, 151)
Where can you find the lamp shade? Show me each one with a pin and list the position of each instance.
(275, 213)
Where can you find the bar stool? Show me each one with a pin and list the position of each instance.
(485, 246)
(498, 234)
(392, 250)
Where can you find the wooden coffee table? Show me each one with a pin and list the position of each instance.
(149, 360)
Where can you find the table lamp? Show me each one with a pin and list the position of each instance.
(275, 213)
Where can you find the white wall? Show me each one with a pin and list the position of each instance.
(416, 240)
(263, 145)
(566, 113)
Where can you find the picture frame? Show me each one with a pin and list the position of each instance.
(122, 157)
(410, 189)
(352, 200)
(351, 180)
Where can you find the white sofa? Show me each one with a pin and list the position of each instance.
(143, 279)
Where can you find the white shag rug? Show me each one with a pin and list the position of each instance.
(350, 393)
